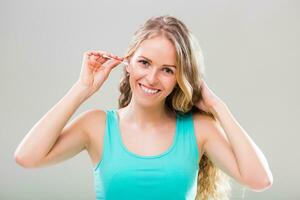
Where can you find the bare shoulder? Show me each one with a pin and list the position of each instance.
(207, 128)
(202, 124)
(93, 115)
(94, 126)
(94, 122)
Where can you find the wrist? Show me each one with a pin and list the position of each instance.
(80, 91)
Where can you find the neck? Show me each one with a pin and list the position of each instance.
(146, 117)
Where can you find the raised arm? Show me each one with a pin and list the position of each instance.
(50, 140)
(230, 147)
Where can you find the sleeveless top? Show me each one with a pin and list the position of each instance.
(122, 174)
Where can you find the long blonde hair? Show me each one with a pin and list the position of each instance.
(212, 182)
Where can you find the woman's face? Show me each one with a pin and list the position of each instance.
(152, 70)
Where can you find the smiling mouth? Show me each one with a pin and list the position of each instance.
(149, 91)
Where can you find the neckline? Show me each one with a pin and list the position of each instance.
(174, 141)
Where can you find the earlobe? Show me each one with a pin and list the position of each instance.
(127, 71)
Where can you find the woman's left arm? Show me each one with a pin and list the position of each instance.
(251, 162)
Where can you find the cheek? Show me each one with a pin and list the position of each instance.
(137, 71)
(169, 84)
(134, 77)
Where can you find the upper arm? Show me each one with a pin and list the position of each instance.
(73, 139)
(217, 146)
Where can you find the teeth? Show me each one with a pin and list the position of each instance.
(147, 90)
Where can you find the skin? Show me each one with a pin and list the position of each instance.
(224, 141)
(154, 72)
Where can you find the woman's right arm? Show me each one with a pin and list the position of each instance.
(50, 141)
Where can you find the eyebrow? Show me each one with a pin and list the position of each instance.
(163, 65)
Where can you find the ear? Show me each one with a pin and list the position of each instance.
(127, 68)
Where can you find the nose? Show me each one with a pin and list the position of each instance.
(152, 77)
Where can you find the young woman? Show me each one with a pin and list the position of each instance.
(171, 138)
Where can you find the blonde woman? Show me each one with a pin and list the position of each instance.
(170, 138)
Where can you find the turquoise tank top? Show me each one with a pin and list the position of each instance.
(122, 174)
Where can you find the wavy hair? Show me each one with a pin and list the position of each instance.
(212, 183)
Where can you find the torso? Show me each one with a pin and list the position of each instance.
(152, 142)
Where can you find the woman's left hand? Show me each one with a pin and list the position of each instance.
(209, 99)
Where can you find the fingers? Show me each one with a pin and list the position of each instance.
(96, 57)
(93, 62)
(111, 56)
(103, 54)
(109, 65)
(100, 57)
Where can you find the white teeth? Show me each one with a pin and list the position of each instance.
(147, 90)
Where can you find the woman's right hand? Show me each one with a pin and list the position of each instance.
(95, 69)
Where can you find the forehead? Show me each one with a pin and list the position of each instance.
(158, 49)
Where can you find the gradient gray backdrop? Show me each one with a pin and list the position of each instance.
(251, 51)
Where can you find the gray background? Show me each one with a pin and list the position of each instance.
(250, 50)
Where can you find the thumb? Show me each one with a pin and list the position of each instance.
(102, 73)
(110, 64)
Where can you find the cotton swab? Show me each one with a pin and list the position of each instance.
(106, 56)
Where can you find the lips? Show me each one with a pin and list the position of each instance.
(149, 87)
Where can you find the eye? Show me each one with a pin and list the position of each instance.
(144, 62)
(169, 71)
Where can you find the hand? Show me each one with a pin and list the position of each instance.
(96, 68)
(209, 100)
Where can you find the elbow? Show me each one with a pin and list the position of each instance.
(261, 184)
(23, 162)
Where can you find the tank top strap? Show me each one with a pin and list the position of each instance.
(186, 136)
(110, 137)
(151, 177)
